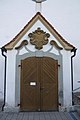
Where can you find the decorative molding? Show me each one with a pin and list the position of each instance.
(23, 43)
(39, 38)
(52, 42)
(10, 45)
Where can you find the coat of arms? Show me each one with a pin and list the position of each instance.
(39, 38)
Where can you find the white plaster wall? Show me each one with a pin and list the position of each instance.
(10, 82)
(67, 94)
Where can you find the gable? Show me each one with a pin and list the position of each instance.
(38, 16)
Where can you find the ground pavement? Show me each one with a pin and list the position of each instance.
(38, 115)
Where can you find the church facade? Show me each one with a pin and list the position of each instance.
(38, 72)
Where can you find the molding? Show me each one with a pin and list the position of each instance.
(23, 43)
(38, 53)
(52, 42)
(51, 29)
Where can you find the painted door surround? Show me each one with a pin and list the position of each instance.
(38, 54)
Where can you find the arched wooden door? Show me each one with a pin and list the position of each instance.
(39, 84)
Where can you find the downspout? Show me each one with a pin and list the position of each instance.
(73, 50)
(4, 50)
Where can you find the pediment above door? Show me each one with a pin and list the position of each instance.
(27, 33)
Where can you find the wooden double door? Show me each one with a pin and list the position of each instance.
(39, 84)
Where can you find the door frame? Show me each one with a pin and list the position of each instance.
(38, 54)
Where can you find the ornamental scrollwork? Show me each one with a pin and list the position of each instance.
(23, 43)
(39, 38)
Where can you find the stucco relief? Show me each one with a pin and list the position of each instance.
(23, 43)
(39, 38)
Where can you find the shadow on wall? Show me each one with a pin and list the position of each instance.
(1, 75)
(1, 100)
(1, 94)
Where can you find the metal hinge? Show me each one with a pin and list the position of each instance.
(19, 66)
(58, 65)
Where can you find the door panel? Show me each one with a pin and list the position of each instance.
(49, 93)
(29, 91)
(39, 84)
